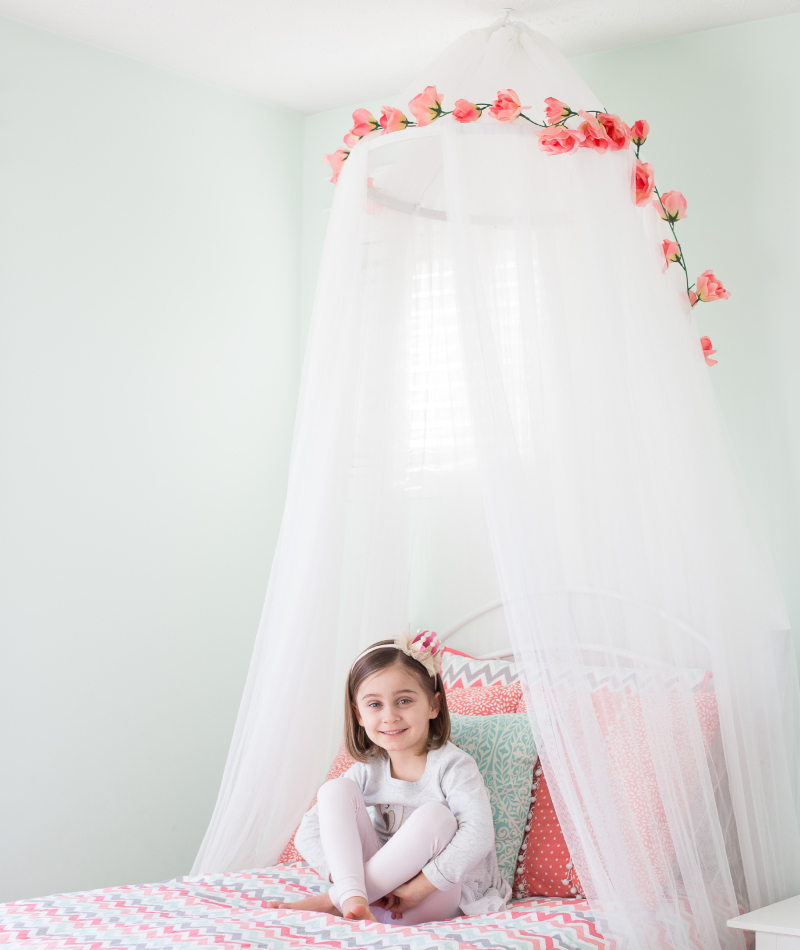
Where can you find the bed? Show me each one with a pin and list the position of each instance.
(228, 911)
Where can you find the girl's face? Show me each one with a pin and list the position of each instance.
(395, 710)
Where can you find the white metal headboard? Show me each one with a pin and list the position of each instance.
(598, 647)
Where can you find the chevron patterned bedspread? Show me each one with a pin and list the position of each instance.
(227, 911)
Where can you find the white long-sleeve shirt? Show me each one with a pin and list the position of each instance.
(451, 777)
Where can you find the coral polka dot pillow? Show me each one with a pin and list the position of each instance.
(544, 866)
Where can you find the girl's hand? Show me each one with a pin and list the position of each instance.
(406, 896)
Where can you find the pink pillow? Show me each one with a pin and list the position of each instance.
(484, 700)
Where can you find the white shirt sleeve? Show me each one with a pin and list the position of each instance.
(468, 800)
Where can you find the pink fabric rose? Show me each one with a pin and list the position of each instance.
(336, 160)
(639, 132)
(708, 350)
(364, 122)
(709, 288)
(556, 110)
(392, 120)
(616, 130)
(427, 106)
(559, 140)
(644, 182)
(672, 252)
(672, 206)
(594, 135)
(464, 111)
(506, 107)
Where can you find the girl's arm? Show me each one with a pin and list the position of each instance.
(307, 842)
(468, 800)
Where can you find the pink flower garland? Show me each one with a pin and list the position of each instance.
(596, 130)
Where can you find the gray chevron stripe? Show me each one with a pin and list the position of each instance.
(488, 672)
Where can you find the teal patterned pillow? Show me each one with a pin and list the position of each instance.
(504, 749)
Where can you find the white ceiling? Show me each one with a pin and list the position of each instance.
(318, 54)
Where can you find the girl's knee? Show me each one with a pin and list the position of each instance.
(437, 819)
(338, 788)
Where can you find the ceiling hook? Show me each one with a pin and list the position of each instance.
(508, 11)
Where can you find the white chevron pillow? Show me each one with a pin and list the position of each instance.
(459, 670)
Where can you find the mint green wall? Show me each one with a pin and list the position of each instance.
(149, 240)
(720, 107)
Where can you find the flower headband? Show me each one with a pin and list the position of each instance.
(424, 648)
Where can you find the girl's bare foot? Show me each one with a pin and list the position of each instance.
(319, 903)
(356, 908)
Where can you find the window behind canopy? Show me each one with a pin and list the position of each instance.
(439, 433)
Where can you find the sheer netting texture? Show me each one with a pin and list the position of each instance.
(505, 397)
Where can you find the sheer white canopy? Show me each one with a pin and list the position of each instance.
(505, 399)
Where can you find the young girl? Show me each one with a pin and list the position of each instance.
(428, 854)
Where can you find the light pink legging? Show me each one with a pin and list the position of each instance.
(360, 867)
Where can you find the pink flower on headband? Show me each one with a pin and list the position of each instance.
(424, 647)
(428, 640)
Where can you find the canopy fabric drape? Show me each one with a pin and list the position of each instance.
(505, 397)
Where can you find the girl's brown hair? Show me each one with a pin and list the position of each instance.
(358, 744)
